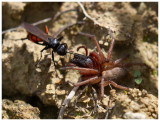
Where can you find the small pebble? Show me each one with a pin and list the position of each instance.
(105, 101)
(101, 42)
(154, 115)
(139, 94)
(106, 44)
(38, 70)
(60, 92)
(131, 115)
(144, 92)
(113, 92)
(142, 8)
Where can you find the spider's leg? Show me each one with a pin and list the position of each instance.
(111, 45)
(121, 59)
(96, 42)
(97, 59)
(133, 64)
(102, 87)
(82, 71)
(115, 85)
(90, 80)
(84, 48)
(70, 65)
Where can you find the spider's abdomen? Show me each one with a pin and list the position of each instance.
(114, 74)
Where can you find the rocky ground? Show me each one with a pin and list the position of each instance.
(30, 92)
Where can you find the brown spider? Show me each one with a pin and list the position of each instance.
(96, 69)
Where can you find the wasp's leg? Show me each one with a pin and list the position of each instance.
(41, 54)
(46, 29)
(53, 58)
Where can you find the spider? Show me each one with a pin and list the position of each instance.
(97, 69)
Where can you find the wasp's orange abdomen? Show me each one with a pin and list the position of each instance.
(33, 38)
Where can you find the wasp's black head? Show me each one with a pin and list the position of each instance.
(62, 49)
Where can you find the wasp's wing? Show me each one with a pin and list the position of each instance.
(65, 27)
(36, 31)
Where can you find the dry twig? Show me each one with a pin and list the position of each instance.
(80, 94)
(109, 107)
(95, 97)
(88, 16)
(67, 100)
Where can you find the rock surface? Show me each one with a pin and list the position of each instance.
(18, 110)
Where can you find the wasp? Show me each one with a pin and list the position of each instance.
(39, 37)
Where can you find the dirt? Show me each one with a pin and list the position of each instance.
(135, 28)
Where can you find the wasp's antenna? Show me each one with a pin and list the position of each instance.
(70, 52)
